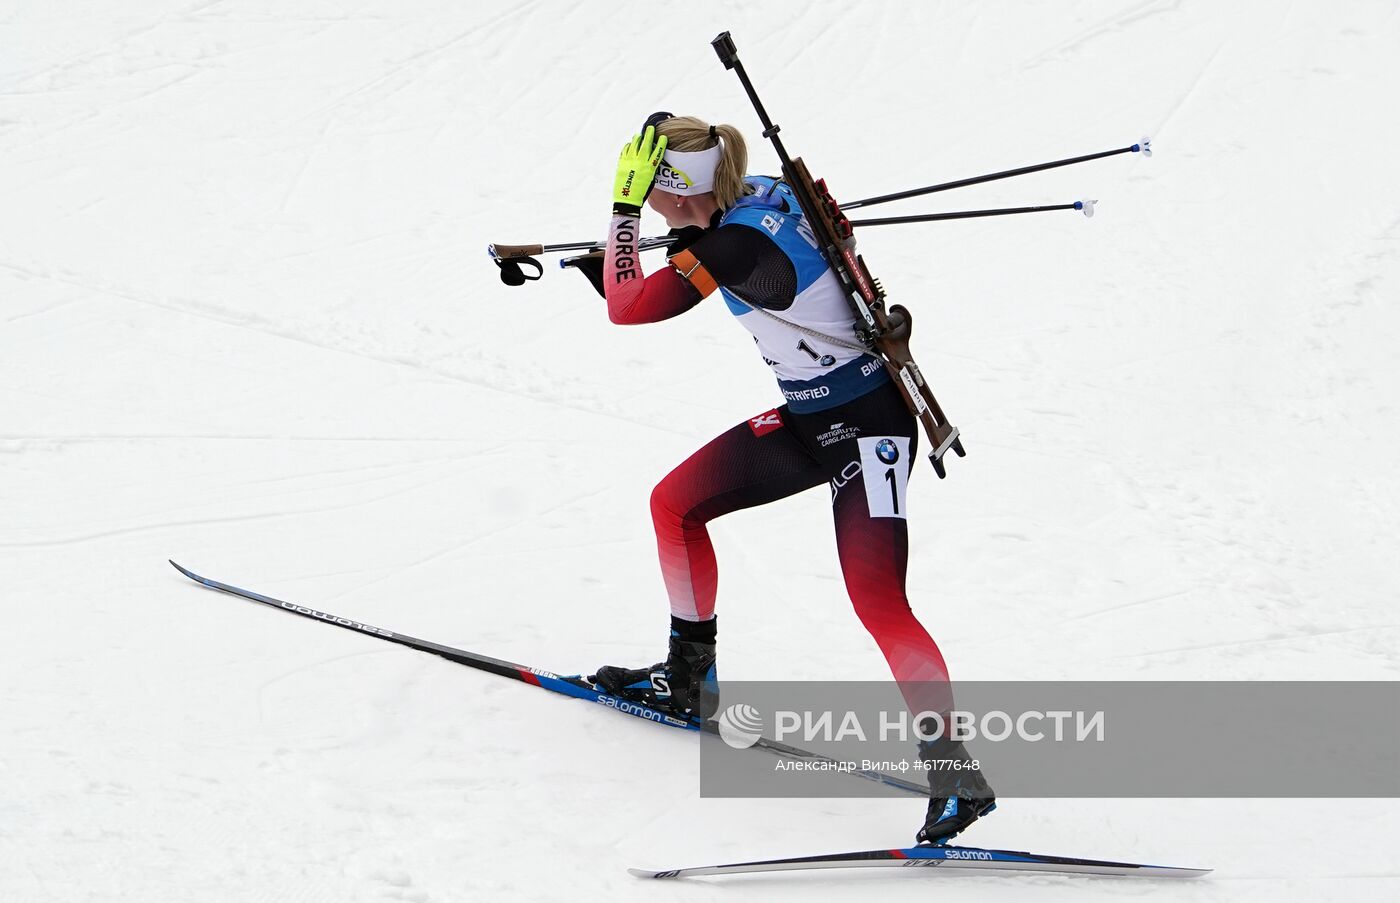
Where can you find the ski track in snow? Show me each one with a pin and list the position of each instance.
(246, 322)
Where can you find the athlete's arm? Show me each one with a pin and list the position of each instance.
(632, 296)
(738, 257)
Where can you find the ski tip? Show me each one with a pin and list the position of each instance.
(1172, 871)
(186, 571)
(645, 873)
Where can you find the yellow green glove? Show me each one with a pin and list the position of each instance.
(636, 170)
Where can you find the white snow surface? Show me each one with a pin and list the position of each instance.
(248, 324)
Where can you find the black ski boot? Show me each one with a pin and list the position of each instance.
(684, 685)
(958, 794)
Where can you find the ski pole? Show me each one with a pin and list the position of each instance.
(1085, 206)
(515, 252)
(510, 257)
(1143, 147)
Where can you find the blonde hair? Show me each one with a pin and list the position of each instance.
(688, 134)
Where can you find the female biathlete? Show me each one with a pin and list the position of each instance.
(845, 422)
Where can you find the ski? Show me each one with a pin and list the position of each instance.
(573, 685)
(937, 857)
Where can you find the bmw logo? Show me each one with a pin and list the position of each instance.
(887, 451)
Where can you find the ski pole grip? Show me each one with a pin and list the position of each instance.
(507, 252)
(724, 47)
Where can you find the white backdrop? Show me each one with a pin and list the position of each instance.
(247, 322)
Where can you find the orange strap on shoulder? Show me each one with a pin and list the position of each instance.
(694, 272)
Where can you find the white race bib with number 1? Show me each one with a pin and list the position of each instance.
(884, 463)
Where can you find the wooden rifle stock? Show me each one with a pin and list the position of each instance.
(886, 333)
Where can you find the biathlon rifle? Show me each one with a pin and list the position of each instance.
(885, 331)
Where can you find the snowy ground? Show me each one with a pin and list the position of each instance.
(248, 324)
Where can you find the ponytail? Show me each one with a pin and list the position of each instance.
(688, 134)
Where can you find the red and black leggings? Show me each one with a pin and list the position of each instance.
(863, 450)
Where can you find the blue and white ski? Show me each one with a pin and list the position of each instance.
(936, 857)
(568, 685)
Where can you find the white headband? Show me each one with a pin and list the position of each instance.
(688, 172)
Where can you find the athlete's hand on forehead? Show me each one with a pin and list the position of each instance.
(636, 170)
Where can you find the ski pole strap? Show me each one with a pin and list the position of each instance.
(511, 272)
(508, 259)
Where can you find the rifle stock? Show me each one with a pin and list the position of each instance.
(886, 333)
(888, 339)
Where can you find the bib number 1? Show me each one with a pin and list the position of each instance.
(884, 465)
